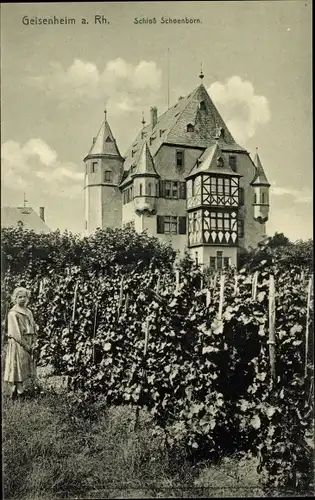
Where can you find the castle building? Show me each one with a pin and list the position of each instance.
(184, 180)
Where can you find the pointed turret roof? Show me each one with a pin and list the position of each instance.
(143, 166)
(196, 109)
(213, 160)
(260, 176)
(104, 142)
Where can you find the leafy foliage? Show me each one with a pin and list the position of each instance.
(204, 376)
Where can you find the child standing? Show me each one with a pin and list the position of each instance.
(19, 363)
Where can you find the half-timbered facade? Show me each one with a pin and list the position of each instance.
(184, 180)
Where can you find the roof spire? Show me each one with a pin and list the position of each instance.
(105, 113)
(201, 75)
(143, 120)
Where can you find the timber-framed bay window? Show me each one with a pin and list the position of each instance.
(213, 227)
(218, 191)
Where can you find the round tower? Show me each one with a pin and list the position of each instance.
(103, 172)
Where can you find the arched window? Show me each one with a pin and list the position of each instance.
(190, 127)
(202, 106)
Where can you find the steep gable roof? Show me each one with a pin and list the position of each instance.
(213, 160)
(260, 176)
(104, 143)
(171, 127)
(25, 217)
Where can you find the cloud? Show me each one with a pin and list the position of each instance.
(242, 109)
(124, 87)
(35, 167)
(298, 196)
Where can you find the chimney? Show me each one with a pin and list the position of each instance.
(42, 213)
(153, 112)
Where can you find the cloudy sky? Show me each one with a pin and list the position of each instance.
(56, 81)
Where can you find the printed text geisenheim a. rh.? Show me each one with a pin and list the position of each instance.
(55, 20)
(167, 20)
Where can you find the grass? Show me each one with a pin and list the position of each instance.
(50, 454)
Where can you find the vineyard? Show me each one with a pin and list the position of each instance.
(223, 362)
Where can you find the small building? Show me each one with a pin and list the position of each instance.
(24, 217)
(184, 180)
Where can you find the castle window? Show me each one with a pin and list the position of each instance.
(170, 225)
(196, 258)
(232, 162)
(202, 106)
(255, 198)
(219, 262)
(149, 189)
(179, 159)
(127, 195)
(226, 262)
(108, 176)
(190, 127)
(240, 228)
(140, 189)
(171, 189)
(93, 167)
(167, 224)
(263, 198)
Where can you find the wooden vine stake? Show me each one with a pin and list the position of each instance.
(75, 298)
(308, 313)
(145, 350)
(158, 284)
(272, 322)
(120, 300)
(94, 330)
(177, 280)
(208, 297)
(254, 285)
(222, 280)
(236, 285)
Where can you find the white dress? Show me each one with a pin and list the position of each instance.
(19, 365)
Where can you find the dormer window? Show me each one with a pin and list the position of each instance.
(202, 106)
(220, 162)
(190, 127)
(108, 139)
